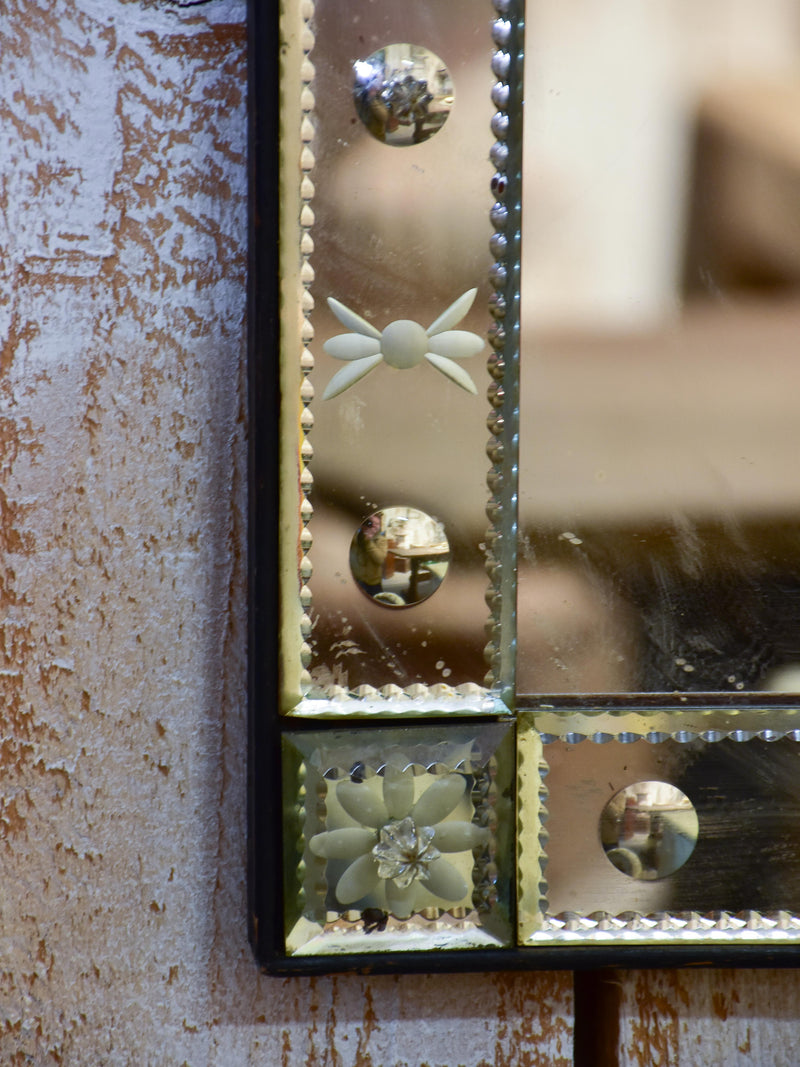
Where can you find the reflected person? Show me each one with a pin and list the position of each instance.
(368, 554)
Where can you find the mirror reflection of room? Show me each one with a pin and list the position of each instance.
(659, 486)
(659, 495)
(403, 94)
(648, 830)
(399, 556)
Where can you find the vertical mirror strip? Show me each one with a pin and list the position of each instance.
(394, 237)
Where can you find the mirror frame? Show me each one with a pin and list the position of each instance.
(274, 637)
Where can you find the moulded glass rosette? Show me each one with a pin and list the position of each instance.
(667, 827)
(398, 839)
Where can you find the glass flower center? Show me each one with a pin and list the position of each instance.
(404, 851)
(404, 344)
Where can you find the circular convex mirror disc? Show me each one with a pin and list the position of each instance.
(399, 556)
(649, 830)
(403, 94)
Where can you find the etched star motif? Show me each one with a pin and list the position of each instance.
(403, 344)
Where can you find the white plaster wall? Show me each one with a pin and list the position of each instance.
(122, 581)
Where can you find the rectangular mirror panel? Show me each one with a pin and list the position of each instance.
(655, 838)
(659, 490)
(673, 827)
(396, 289)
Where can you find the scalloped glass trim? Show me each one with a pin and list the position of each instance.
(601, 929)
(709, 724)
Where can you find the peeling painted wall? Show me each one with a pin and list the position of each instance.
(122, 606)
(122, 581)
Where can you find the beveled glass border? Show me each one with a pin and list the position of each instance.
(492, 694)
(538, 925)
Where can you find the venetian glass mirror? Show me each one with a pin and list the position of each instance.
(526, 355)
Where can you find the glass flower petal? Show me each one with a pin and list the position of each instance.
(443, 880)
(459, 836)
(360, 878)
(343, 844)
(401, 902)
(352, 321)
(363, 803)
(455, 313)
(398, 791)
(349, 375)
(353, 346)
(452, 371)
(438, 800)
(455, 344)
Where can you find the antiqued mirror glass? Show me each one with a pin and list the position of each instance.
(538, 632)
(699, 825)
(398, 253)
(659, 492)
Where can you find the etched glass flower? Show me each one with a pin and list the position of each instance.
(396, 841)
(403, 344)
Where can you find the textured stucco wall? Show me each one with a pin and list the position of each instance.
(122, 578)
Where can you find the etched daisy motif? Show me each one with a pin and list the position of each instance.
(403, 345)
(398, 841)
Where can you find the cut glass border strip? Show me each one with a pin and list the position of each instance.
(708, 724)
(415, 700)
(686, 928)
(536, 927)
(508, 31)
(295, 217)
(299, 695)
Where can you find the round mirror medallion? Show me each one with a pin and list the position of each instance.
(399, 556)
(403, 94)
(649, 830)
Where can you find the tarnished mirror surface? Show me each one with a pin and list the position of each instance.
(659, 491)
(400, 294)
